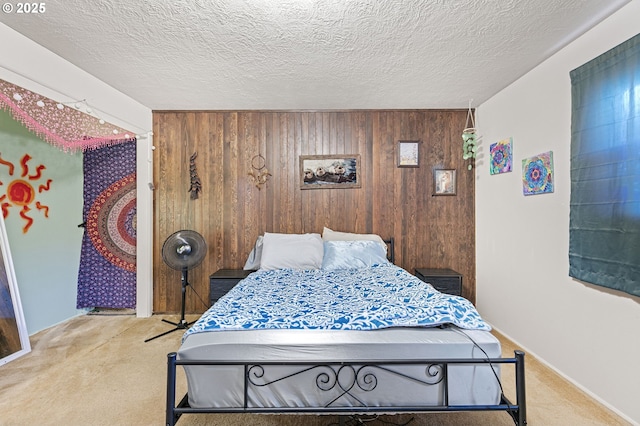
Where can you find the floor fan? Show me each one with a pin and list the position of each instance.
(183, 250)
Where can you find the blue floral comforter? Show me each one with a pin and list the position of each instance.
(348, 299)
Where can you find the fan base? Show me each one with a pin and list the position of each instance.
(182, 325)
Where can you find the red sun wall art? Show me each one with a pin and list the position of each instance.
(20, 192)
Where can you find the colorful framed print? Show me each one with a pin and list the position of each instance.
(537, 174)
(501, 154)
(329, 171)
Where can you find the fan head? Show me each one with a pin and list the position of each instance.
(184, 249)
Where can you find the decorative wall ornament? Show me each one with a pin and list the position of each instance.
(58, 123)
(537, 174)
(260, 174)
(20, 192)
(501, 156)
(469, 138)
(196, 184)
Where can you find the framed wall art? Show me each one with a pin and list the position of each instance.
(408, 153)
(330, 171)
(444, 182)
(537, 174)
(501, 154)
(14, 340)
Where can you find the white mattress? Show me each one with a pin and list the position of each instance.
(223, 386)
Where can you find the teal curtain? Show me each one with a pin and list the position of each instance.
(604, 230)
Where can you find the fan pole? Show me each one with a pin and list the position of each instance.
(185, 283)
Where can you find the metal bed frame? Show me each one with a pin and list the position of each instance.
(346, 377)
(361, 375)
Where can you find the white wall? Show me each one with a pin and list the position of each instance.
(589, 334)
(29, 65)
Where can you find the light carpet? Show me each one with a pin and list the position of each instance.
(97, 370)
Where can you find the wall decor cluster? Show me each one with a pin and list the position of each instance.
(501, 156)
(537, 174)
(329, 171)
(408, 153)
(389, 201)
(444, 182)
(14, 340)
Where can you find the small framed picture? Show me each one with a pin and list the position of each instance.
(408, 153)
(444, 182)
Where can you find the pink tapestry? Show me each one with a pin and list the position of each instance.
(58, 123)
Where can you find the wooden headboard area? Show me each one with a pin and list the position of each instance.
(230, 211)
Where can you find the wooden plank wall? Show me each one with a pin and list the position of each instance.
(430, 231)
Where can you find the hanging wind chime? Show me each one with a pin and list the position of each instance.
(469, 139)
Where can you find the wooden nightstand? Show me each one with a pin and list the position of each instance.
(224, 280)
(444, 280)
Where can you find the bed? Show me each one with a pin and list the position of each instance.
(329, 325)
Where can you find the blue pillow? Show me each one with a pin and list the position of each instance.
(353, 254)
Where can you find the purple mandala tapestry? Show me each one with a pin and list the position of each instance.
(107, 274)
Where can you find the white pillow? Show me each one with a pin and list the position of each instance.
(329, 235)
(353, 254)
(253, 261)
(293, 251)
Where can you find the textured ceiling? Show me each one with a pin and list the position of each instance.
(309, 54)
